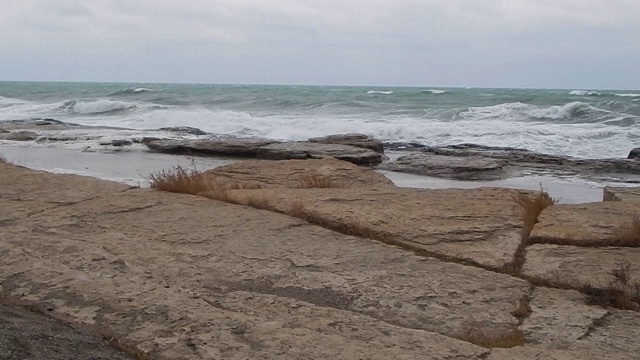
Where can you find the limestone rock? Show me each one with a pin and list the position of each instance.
(481, 225)
(223, 146)
(451, 167)
(357, 140)
(19, 136)
(621, 193)
(297, 173)
(579, 265)
(559, 318)
(3, 131)
(118, 143)
(307, 150)
(617, 332)
(585, 224)
(633, 154)
(541, 353)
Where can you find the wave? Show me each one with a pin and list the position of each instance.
(519, 111)
(436, 91)
(584, 93)
(628, 95)
(130, 91)
(371, 92)
(98, 107)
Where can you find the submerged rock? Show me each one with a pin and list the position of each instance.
(19, 136)
(224, 147)
(307, 150)
(352, 139)
(184, 129)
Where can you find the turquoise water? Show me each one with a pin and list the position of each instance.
(577, 122)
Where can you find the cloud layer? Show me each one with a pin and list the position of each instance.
(514, 43)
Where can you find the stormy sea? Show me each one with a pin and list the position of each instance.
(578, 123)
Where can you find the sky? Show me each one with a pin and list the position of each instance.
(586, 44)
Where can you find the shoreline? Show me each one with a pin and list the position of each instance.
(132, 166)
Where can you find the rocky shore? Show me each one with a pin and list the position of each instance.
(466, 162)
(320, 258)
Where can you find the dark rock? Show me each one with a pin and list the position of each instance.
(184, 129)
(19, 136)
(223, 146)
(3, 131)
(117, 143)
(357, 140)
(450, 167)
(308, 150)
(634, 153)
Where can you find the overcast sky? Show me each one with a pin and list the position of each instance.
(483, 43)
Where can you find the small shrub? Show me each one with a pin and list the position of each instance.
(314, 180)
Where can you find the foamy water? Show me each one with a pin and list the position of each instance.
(580, 122)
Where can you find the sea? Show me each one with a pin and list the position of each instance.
(583, 123)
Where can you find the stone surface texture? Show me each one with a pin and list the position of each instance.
(308, 150)
(357, 140)
(452, 167)
(621, 193)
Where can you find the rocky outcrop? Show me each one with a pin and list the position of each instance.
(306, 150)
(221, 147)
(634, 153)
(621, 193)
(450, 167)
(357, 140)
(592, 224)
(328, 172)
(515, 161)
(184, 129)
(19, 136)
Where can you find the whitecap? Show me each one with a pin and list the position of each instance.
(100, 106)
(628, 95)
(584, 93)
(437, 91)
(371, 92)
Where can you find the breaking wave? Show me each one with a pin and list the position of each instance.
(372, 92)
(99, 106)
(628, 95)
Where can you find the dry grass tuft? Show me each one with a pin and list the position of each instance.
(259, 203)
(622, 292)
(317, 181)
(489, 338)
(180, 180)
(245, 186)
(628, 235)
(532, 206)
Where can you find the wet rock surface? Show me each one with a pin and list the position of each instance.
(451, 167)
(222, 146)
(308, 150)
(357, 140)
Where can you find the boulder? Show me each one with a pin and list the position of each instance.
(633, 154)
(297, 173)
(353, 139)
(22, 135)
(450, 167)
(118, 143)
(223, 146)
(621, 193)
(307, 150)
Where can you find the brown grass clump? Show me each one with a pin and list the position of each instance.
(629, 234)
(532, 206)
(622, 292)
(494, 338)
(259, 203)
(180, 180)
(317, 181)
